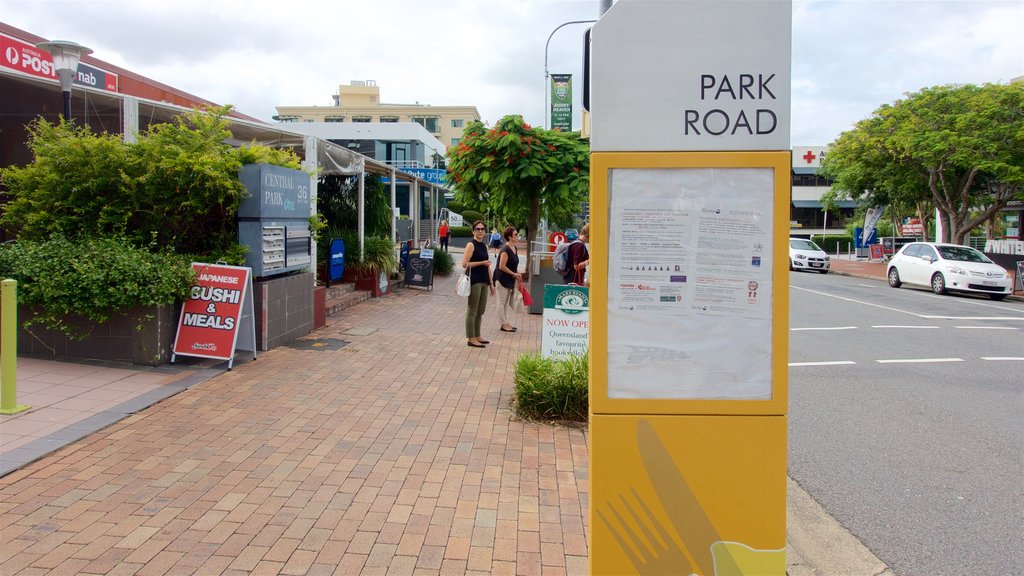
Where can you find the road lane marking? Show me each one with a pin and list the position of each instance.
(1021, 359)
(824, 328)
(970, 317)
(888, 326)
(986, 327)
(855, 301)
(925, 316)
(918, 360)
(834, 363)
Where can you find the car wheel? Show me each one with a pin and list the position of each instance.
(997, 297)
(825, 271)
(791, 264)
(894, 277)
(938, 283)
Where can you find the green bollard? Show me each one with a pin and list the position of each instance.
(9, 344)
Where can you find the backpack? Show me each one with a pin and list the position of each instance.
(560, 261)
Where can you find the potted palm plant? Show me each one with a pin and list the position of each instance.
(377, 265)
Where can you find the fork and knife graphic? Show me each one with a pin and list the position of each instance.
(648, 544)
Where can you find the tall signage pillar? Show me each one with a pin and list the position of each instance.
(690, 182)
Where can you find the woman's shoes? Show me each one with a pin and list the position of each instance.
(484, 341)
(512, 329)
(476, 344)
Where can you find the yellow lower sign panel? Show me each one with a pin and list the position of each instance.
(680, 494)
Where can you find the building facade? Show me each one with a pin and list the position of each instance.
(398, 144)
(806, 213)
(402, 145)
(359, 102)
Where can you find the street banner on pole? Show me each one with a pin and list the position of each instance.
(561, 102)
(871, 218)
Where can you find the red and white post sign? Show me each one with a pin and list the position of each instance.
(218, 309)
(24, 57)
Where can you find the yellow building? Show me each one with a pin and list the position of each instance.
(359, 101)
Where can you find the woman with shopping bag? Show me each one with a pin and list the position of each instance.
(506, 276)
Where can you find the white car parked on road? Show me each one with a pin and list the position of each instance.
(805, 255)
(946, 267)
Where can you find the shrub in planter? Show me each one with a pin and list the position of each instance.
(378, 257)
(94, 279)
(461, 232)
(551, 389)
(443, 263)
(176, 186)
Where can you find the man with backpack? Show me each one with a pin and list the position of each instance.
(572, 258)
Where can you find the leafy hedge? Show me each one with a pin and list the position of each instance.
(470, 216)
(552, 389)
(94, 279)
(828, 242)
(176, 187)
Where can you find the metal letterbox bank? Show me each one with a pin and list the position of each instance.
(274, 220)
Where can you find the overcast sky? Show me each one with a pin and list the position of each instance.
(849, 56)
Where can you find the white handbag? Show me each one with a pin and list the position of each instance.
(463, 287)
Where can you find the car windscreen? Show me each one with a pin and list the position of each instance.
(962, 254)
(803, 245)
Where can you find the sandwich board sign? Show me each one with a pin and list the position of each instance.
(217, 318)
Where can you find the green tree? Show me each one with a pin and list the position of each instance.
(957, 149)
(520, 173)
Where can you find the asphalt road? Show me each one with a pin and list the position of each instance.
(907, 421)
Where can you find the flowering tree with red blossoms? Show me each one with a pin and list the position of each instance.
(521, 173)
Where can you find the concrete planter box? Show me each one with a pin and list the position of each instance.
(142, 335)
(319, 307)
(367, 281)
(283, 309)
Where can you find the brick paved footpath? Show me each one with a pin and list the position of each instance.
(396, 453)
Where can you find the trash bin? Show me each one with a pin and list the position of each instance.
(541, 272)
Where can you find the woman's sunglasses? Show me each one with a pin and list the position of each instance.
(479, 229)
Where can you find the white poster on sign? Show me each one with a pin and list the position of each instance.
(689, 283)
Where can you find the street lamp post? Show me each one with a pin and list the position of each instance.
(66, 56)
(547, 76)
